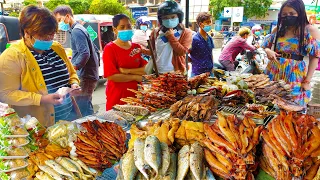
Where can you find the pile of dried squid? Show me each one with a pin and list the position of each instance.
(291, 147)
(231, 145)
(101, 144)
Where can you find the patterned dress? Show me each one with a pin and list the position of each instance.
(292, 71)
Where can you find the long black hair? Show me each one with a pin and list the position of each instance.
(302, 22)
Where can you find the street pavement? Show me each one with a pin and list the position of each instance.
(99, 96)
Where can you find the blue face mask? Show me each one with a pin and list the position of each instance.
(170, 23)
(143, 27)
(257, 33)
(207, 28)
(42, 45)
(64, 26)
(125, 35)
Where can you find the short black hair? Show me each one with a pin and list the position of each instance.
(63, 10)
(203, 16)
(116, 19)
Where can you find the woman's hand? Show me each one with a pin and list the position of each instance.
(306, 86)
(76, 90)
(51, 99)
(138, 78)
(124, 71)
(169, 32)
(272, 56)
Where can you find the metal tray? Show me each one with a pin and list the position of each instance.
(238, 112)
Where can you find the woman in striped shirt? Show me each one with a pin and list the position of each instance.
(34, 68)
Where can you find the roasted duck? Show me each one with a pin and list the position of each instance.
(195, 108)
(196, 81)
(286, 105)
(236, 98)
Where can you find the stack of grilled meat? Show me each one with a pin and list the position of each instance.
(164, 90)
(195, 108)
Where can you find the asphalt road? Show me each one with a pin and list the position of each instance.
(99, 96)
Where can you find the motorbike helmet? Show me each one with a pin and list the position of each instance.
(256, 28)
(170, 7)
(143, 20)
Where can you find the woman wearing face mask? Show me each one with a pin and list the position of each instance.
(294, 39)
(171, 41)
(202, 45)
(34, 68)
(142, 32)
(256, 32)
(123, 65)
(236, 45)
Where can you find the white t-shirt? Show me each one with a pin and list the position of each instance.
(165, 52)
(141, 37)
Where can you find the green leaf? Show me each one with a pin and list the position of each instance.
(4, 176)
(2, 122)
(3, 166)
(263, 176)
(5, 130)
(3, 152)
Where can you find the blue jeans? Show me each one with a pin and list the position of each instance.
(84, 101)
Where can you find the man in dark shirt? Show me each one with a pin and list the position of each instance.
(107, 36)
(84, 57)
(202, 45)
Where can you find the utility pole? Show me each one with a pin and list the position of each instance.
(187, 14)
(2, 10)
(316, 8)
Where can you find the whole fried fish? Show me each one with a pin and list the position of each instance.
(172, 170)
(140, 176)
(196, 160)
(139, 160)
(50, 171)
(70, 165)
(83, 166)
(128, 167)
(152, 153)
(43, 176)
(165, 152)
(120, 173)
(183, 162)
(134, 110)
(60, 169)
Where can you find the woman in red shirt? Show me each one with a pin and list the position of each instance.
(123, 65)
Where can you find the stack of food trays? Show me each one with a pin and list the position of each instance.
(13, 154)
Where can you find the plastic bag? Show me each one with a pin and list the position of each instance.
(149, 67)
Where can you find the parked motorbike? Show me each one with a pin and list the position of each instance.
(254, 62)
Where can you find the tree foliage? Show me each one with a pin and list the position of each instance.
(252, 8)
(78, 6)
(14, 14)
(52, 4)
(29, 2)
(111, 7)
